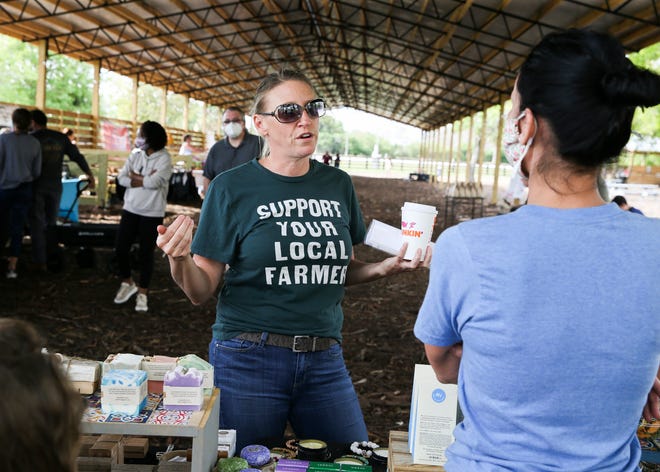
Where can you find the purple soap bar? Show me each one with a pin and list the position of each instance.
(182, 377)
(182, 389)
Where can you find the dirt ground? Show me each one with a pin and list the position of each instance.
(74, 310)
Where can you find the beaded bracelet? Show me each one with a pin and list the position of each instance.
(364, 448)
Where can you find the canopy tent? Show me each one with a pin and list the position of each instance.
(424, 63)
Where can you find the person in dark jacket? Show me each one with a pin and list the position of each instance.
(47, 190)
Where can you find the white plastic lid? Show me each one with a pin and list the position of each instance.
(419, 207)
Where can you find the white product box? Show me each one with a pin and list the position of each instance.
(156, 369)
(226, 442)
(124, 392)
(183, 398)
(433, 413)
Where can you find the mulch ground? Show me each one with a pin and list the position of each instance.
(73, 309)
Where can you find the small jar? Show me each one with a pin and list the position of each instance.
(378, 459)
(313, 450)
(351, 460)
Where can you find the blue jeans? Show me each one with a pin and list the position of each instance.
(262, 387)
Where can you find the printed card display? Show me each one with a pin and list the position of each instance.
(433, 413)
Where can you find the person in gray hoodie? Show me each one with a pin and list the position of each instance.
(20, 166)
(146, 176)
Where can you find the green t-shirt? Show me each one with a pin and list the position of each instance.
(287, 241)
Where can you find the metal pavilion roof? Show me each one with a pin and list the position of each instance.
(424, 63)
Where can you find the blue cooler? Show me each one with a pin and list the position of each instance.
(69, 200)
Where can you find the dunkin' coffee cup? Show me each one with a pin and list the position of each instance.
(417, 223)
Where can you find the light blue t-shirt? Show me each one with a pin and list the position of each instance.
(288, 242)
(559, 315)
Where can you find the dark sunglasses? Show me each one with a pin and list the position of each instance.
(290, 112)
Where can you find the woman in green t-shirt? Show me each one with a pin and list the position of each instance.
(277, 234)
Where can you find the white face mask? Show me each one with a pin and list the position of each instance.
(141, 143)
(514, 151)
(233, 130)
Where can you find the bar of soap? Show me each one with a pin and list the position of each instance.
(182, 389)
(183, 377)
(124, 391)
(192, 360)
(122, 361)
(232, 464)
(125, 377)
(256, 455)
(156, 368)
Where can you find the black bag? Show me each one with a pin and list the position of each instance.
(183, 189)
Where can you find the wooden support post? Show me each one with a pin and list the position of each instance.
(186, 111)
(163, 107)
(482, 143)
(134, 105)
(450, 152)
(96, 100)
(445, 149)
(42, 73)
(498, 152)
(469, 175)
(458, 148)
(204, 118)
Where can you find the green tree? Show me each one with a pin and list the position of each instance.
(18, 70)
(149, 103)
(647, 121)
(175, 104)
(69, 84)
(115, 95)
(331, 136)
(195, 115)
(361, 143)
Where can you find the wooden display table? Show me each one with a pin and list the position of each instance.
(201, 426)
(400, 460)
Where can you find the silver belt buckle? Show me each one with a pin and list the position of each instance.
(302, 339)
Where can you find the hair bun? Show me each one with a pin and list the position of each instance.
(631, 87)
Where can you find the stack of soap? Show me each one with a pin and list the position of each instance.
(156, 367)
(124, 391)
(182, 389)
(83, 374)
(192, 360)
(122, 362)
(226, 442)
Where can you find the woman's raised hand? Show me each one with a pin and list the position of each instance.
(175, 239)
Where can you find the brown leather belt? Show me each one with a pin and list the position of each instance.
(295, 343)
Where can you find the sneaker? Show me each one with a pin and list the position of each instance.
(11, 274)
(125, 292)
(141, 302)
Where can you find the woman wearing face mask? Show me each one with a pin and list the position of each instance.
(555, 363)
(146, 176)
(277, 234)
(237, 148)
